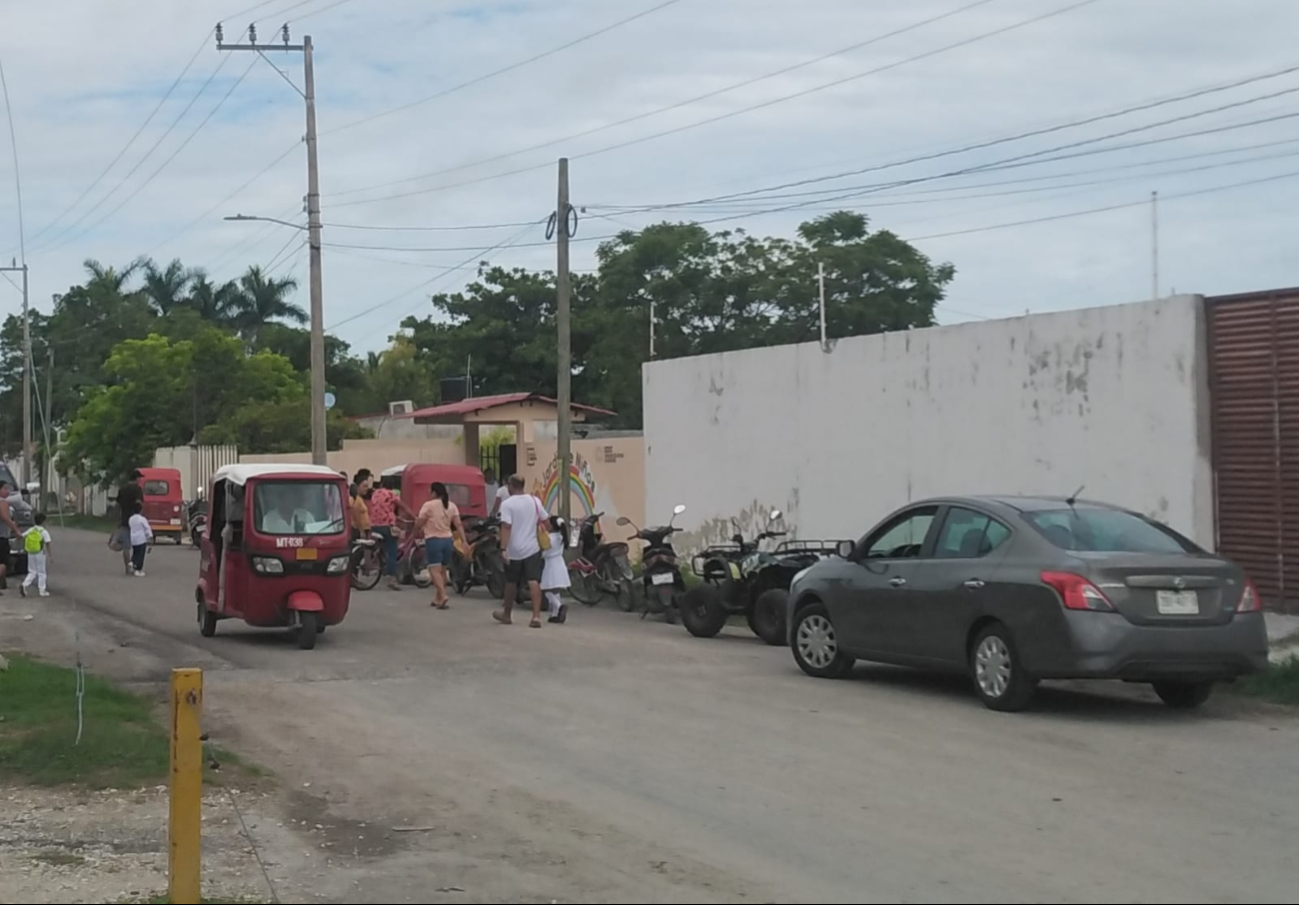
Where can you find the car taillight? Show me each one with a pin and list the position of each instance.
(1077, 592)
(1250, 602)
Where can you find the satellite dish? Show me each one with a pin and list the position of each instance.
(330, 400)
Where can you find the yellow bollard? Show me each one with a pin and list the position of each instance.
(185, 827)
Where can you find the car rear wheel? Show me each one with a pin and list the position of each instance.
(1183, 695)
(207, 621)
(999, 677)
(816, 644)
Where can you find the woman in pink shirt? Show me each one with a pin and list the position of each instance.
(439, 520)
(384, 506)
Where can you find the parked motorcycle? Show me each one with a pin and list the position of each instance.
(660, 574)
(601, 568)
(741, 577)
(483, 564)
(196, 519)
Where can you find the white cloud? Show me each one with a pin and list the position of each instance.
(84, 74)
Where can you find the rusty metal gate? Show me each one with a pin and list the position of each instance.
(1254, 383)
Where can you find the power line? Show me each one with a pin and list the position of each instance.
(122, 153)
(733, 113)
(139, 163)
(152, 176)
(211, 210)
(465, 228)
(513, 66)
(1106, 208)
(679, 104)
(296, 237)
(18, 191)
(504, 243)
(1035, 133)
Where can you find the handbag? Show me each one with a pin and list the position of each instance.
(116, 542)
(543, 527)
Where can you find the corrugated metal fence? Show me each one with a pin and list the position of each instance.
(1254, 381)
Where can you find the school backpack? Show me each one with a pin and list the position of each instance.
(33, 542)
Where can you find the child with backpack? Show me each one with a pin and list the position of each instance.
(36, 544)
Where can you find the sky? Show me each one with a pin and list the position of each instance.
(136, 136)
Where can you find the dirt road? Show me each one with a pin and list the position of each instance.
(612, 760)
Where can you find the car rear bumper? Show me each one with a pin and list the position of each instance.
(1107, 646)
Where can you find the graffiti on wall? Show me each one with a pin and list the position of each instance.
(581, 484)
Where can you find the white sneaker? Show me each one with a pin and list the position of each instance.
(45, 593)
(139, 573)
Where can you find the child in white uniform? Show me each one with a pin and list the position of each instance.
(554, 575)
(36, 544)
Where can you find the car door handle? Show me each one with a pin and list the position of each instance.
(897, 582)
(974, 584)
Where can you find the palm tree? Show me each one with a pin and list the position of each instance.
(109, 278)
(261, 299)
(165, 288)
(211, 302)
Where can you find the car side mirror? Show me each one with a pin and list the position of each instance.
(845, 549)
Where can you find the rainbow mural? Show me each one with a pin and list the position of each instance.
(581, 483)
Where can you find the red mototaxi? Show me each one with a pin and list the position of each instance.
(275, 552)
(466, 486)
(163, 504)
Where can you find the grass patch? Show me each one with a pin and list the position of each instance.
(122, 746)
(1279, 685)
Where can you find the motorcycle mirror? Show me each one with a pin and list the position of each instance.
(776, 515)
(623, 520)
(738, 538)
(198, 494)
(680, 508)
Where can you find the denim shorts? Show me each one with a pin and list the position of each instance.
(439, 550)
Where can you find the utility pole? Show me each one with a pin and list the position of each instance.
(820, 280)
(27, 378)
(1154, 245)
(562, 320)
(318, 441)
(651, 328)
(47, 415)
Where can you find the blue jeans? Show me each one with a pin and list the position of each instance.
(137, 556)
(439, 550)
(389, 548)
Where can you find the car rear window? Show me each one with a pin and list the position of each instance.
(1107, 531)
(155, 488)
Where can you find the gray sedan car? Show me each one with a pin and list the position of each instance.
(1014, 590)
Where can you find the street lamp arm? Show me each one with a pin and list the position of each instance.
(247, 217)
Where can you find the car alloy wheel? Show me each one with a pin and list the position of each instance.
(992, 666)
(816, 641)
(999, 677)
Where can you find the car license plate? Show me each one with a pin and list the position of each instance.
(175, 521)
(661, 578)
(306, 553)
(1177, 603)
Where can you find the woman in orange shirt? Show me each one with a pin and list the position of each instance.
(439, 521)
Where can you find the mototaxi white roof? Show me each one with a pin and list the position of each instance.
(239, 474)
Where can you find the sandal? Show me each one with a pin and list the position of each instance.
(535, 623)
(499, 616)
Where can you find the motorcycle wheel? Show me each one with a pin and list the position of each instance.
(767, 618)
(584, 588)
(496, 583)
(366, 571)
(418, 566)
(702, 612)
(626, 595)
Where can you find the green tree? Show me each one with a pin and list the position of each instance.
(164, 392)
(165, 287)
(262, 299)
(211, 302)
(279, 427)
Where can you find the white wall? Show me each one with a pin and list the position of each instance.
(1112, 398)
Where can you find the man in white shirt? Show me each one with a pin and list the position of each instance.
(520, 514)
